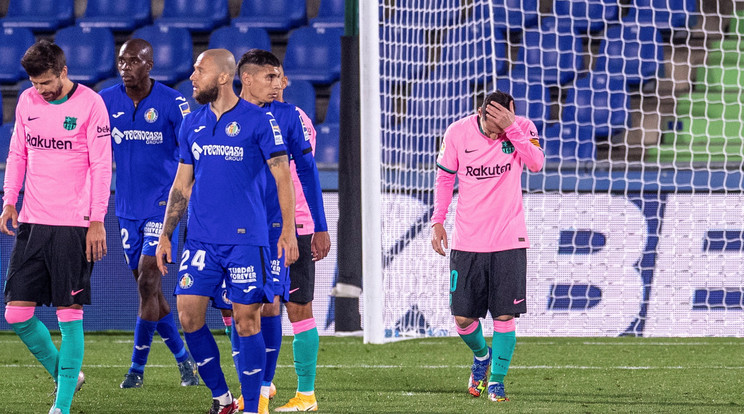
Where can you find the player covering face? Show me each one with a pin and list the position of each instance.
(488, 260)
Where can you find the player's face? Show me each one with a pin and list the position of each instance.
(133, 68)
(204, 81)
(48, 84)
(492, 132)
(266, 83)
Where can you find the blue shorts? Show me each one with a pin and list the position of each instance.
(140, 237)
(244, 270)
(279, 281)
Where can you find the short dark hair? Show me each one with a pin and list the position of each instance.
(43, 56)
(258, 57)
(499, 97)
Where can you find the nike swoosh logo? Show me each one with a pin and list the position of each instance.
(199, 129)
(270, 350)
(66, 368)
(75, 292)
(252, 372)
(34, 118)
(469, 151)
(205, 362)
(181, 98)
(294, 290)
(502, 359)
(517, 302)
(116, 115)
(141, 347)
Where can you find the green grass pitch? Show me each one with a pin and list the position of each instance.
(548, 375)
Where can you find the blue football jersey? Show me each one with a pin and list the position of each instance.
(229, 157)
(301, 153)
(145, 148)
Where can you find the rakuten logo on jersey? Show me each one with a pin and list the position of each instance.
(230, 152)
(483, 172)
(150, 137)
(47, 143)
(242, 274)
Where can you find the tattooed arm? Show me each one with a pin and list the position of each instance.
(279, 167)
(178, 201)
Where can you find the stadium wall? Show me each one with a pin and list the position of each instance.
(666, 262)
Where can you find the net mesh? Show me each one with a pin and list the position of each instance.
(636, 221)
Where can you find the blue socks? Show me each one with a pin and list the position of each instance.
(271, 329)
(207, 356)
(143, 333)
(252, 364)
(235, 342)
(167, 330)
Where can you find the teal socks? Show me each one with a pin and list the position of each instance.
(71, 352)
(305, 350)
(36, 336)
(503, 348)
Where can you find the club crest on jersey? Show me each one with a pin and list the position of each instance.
(70, 123)
(151, 115)
(278, 140)
(507, 147)
(224, 297)
(186, 281)
(232, 129)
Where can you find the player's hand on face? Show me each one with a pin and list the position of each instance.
(439, 235)
(499, 118)
(163, 254)
(320, 245)
(95, 241)
(288, 245)
(9, 213)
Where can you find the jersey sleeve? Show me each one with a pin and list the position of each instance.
(523, 135)
(99, 158)
(184, 151)
(269, 137)
(178, 110)
(15, 166)
(447, 158)
(301, 150)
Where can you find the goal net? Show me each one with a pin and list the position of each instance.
(636, 222)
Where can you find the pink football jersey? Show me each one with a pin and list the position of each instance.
(489, 215)
(64, 152)
(303, 219)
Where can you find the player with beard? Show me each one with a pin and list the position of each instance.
(221, 179)
(145, 116)
(61, 146)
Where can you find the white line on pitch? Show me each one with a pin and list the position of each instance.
(433, 367)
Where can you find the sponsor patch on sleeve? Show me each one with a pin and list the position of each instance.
(185, 109)
(278, 140)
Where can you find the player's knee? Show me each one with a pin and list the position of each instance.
(148, 283)
(463, 322)
(18, 314)
(189, 321)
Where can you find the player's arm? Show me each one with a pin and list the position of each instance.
(526, 143)
(178, 202)
(447, 164)
(15, 170)
(279, 167)
(307, 172)
(99, 160)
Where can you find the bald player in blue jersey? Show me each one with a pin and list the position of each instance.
(224, 149)
(145, 116)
